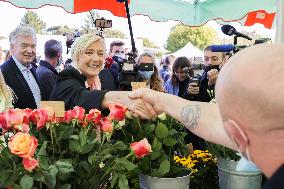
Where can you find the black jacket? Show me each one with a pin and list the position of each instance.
(70, 88)
(15, 79)
(47, 75)
(276, 181)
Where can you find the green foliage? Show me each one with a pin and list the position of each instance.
(148, 43)
(222, 151)
(33, 20)
(59, 30)
(112, 33)
(200, 37)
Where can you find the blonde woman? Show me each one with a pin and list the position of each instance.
(5, 95)
(88, 55)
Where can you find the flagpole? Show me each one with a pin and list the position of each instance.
(279, 36)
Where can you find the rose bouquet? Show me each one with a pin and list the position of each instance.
(86, 150)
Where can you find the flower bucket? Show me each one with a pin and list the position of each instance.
(148, 182)
(229, 178)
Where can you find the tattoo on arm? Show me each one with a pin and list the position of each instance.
(190, 116)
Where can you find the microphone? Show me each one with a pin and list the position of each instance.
(230, 30)
(222, 48)
(108, 62)
(118, 59)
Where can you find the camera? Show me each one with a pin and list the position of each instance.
(129, 70)
(70, 38)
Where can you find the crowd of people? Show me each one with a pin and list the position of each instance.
(248, 116)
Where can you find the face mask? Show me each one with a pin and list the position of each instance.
(120, 55)
(146, 74)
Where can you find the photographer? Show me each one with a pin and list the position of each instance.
(152, 78)
(178, 83)
(204, 90)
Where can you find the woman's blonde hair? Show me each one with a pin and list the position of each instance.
(82, 42)
(5, 93)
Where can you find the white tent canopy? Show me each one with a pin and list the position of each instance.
(188, 51)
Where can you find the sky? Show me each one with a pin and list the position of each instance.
(10, 17)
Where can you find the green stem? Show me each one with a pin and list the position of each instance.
(51, 136)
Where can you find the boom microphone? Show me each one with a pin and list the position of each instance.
(230, 30)
(222, 48)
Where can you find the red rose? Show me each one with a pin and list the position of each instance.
(94, 116)
(67, 116)
(23, 145)
(3, 122)
(50, 113)
(141, 148)
(30, 163)
(117, 111)
(39, 117)
(78, 113)
(106, 125)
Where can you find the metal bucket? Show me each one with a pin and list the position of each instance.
(148, 182)
(229, 178)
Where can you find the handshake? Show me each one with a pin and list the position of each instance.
(143, 103)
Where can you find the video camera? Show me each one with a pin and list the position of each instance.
(129, 70)
(70, 38)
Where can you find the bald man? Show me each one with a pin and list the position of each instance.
(249, 115)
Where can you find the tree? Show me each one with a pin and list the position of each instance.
(89, 26)
(33, 20)
(112, 33)
(148, 43)
(59, 30)
(200, 37)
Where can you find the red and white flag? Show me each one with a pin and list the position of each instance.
(261, 17)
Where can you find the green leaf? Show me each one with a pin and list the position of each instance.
(64, 167)
(114, 179)
(161, 130)
(65, 186)
(65, 132)
(26, 182)
(50, 176)
(43, 162)
(8, 177)
(123, 182)
(42, 150)
(164, 167)
(169, 142)
(126, 163)
(155, 155)
(74, 146)
(82, 138)
(86, 149)
(149, 128)
(157, 145)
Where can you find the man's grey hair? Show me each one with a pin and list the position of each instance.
(21, 31)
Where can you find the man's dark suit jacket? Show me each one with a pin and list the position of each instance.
(70, 88)
(47, 75)
(15, 79)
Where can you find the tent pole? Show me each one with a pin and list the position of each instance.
(279, 36)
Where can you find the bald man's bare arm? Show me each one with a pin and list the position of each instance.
(203, 119)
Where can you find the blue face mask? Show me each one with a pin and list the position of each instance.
(146, 74)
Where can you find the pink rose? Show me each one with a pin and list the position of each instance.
(30, 163)
(94, 116)
(141, 148)
(78, 113)
(39, 117)
(106, 125)
(117, 111)
(67, 116)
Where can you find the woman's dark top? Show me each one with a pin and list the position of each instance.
(70, 88)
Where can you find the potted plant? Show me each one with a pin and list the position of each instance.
(229, 176)
(87, 150)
